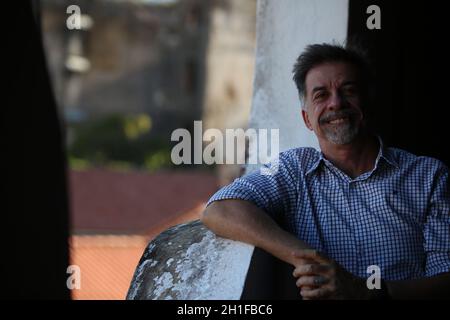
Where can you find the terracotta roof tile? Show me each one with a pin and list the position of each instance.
(138, 204)
(107, 264)
(134, 202)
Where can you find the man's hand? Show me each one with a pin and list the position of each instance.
(319, 277)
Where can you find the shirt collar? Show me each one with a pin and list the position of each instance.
(315, 164)
(383, 153)
(386, 155)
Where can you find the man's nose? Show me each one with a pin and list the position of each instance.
(335, 102)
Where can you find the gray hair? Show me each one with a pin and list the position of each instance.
(317, 54)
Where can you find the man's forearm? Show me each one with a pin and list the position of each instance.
(243, 221)
(436, 287)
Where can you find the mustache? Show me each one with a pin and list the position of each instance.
(333, 115)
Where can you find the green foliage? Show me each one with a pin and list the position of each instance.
(120, 142)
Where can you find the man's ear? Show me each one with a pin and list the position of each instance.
(306, 119)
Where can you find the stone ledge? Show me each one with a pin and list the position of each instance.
(189, 262)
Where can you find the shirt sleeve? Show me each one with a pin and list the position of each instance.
(273, 187)
(437, 227)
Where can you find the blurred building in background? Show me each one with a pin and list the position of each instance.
(130, 57)
(133, 73)
(229, 71)
(134, 65)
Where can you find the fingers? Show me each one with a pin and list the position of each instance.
(311, 269)
(315, 274)
(311, 281)
(319, 293)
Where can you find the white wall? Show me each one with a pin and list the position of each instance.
(284, 29)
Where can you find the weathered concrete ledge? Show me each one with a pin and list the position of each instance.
(189, 262)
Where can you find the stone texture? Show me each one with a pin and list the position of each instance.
(189, 262)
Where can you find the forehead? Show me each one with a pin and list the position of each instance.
(329, 74)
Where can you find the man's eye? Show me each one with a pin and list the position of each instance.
(320, 95)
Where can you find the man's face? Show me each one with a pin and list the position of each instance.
(332, 102)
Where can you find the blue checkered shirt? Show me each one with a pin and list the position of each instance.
(397, 216)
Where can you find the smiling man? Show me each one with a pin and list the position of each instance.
(353, 204)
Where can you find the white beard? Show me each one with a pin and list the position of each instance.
(341, 134)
